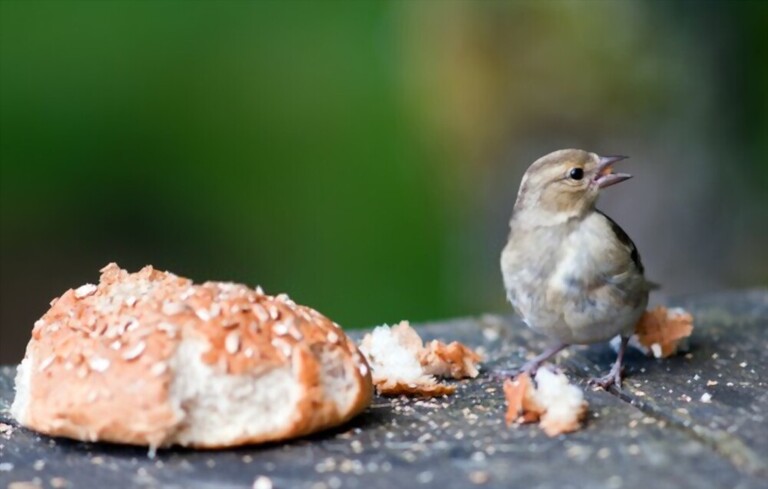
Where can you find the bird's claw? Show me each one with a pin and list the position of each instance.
(606, 381)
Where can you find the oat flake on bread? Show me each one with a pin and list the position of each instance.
(149, 358)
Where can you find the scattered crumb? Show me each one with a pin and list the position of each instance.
(262, 482)
(6, 467)
(6, 429)
(402, 365)
(58, 482)
(558, 406)
(661, 331)
(706, 398)
(522, 406)
(478, 477)
(452, 360)
(24, 485)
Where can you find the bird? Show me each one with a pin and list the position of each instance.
(570, 271)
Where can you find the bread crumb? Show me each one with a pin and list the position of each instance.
(452, 360)
(661, 332)
(262, 482)
(25, 485)
(402, 365)
(479, 477)
(6, 429)
(555, 403)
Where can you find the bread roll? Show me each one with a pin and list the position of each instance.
(149, 358)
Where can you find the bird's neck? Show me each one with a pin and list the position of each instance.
(539, 217)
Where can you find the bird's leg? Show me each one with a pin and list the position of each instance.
(531, 366)
(614, 376)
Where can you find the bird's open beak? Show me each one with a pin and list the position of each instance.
(605, 176)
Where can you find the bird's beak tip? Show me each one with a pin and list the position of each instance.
(609, 160)
(605, 176)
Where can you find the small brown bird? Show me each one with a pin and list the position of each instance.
(570, 271)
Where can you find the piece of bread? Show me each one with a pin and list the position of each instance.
(553, 401)
(403, 365)
(149, 358)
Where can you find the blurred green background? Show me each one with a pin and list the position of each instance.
(364, 156)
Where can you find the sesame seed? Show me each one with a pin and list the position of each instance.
(98, 364)
(132, 324)
(248, 352)
(188, 293)
(130, 301)
(167, 328)
(295, 333)
(280, 329)
(85, 291)
(214, 310)
(232, 342)
(333, 337)
(363, 369)
(284, 347)
(259, 290)
(203, 314)
(274, 312)
(260, 312)
(39, 323)
(135, 351)
(173, 308)
(46, 363)
(305, 315)
(158, 369)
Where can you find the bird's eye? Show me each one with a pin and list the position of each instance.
(576, 173)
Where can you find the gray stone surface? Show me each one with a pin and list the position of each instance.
(656, 433)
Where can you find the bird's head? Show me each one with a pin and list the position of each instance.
(565, 184)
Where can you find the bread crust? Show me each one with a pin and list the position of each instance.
(101, 364)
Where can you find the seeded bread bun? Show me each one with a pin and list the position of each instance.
(149, 358)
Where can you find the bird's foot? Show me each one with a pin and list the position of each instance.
(606, 381)
(614, 376)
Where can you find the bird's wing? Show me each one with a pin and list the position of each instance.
(625, 240)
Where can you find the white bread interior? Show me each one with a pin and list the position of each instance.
(21, 400)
